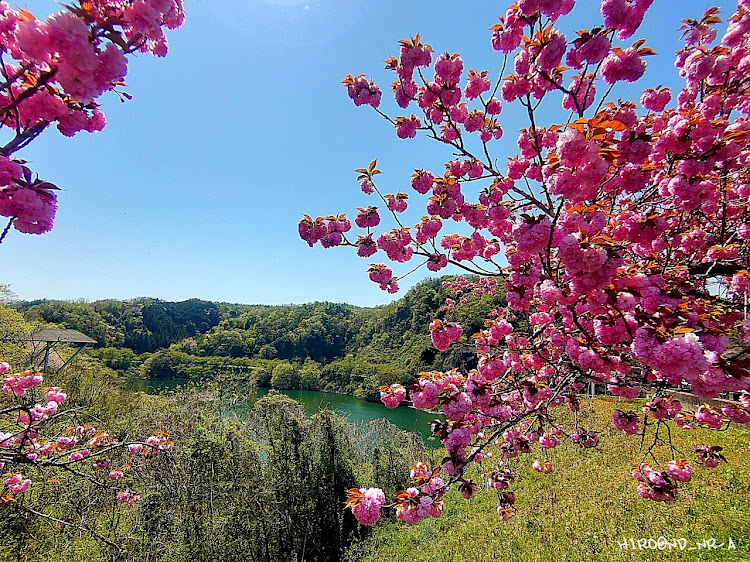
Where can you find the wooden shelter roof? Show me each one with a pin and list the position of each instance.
(58, 335)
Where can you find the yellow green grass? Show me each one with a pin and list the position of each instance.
(587, 508)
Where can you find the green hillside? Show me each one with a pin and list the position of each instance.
(321, 345)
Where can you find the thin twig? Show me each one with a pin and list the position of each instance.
(6, 229)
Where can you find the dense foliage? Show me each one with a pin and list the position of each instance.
(264, 484)
(141, 325)
(328, 346)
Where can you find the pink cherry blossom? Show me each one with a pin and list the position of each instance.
(478, 83)
(135, 448)
(680, 470)
(626, 421)
(367, 217)
(656, 100)
(367, 510)
(602, 233)
(392, 395)
(545, 467)
(623, 66)
(406, 128)
(362, 91)
(444, 334)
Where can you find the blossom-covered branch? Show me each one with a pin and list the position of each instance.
(619, 234)
(57, 70)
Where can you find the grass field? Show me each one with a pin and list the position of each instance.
(588, 510)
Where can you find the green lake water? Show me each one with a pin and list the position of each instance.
(353, 408)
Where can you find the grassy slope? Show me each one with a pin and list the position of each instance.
(584, 508)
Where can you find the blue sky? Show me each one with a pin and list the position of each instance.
(195, 187)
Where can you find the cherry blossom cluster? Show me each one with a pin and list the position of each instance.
(660, 485)
(422, 500)
(392, 395)
(365, 503)
(383, 276)
(444, 334)
(53, 71)
(619, 234)
(36, 436)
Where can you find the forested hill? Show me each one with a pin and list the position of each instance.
(141, 324)
(317, 345)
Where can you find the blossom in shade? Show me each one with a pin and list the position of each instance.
(736, 413)
(505, 508)
(367, 217)
(457, 406)
(710, 456)
(366, 246)
(422, 181)
(589, 49)
(365, 504)
(626, 421)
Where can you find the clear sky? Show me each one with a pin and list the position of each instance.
(195, 187)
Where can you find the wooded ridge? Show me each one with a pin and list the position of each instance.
(322, 345)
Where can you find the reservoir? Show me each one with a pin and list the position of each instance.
(356, 410)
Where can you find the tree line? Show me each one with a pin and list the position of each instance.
(322, 345)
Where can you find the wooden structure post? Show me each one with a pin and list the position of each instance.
(52, 336)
